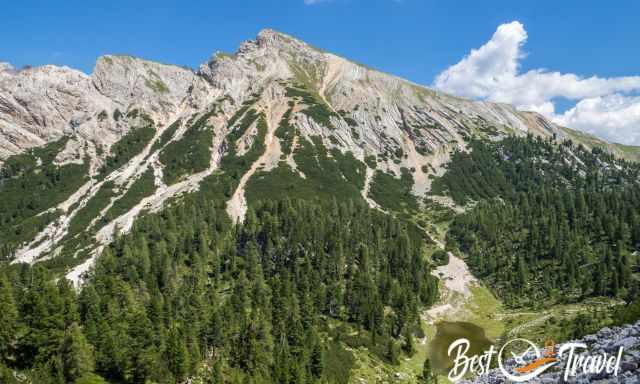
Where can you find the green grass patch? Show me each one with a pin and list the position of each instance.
(562, 322)
(316, 108)
(239, 130)
(82, 219)
(156, 85)
(371, 161)
(483, 310)
(221, 184)
(237, 165)
(340, 176)
(90, 378)
(240, 112)
(286, 133)
(78, 242)
(338, 364)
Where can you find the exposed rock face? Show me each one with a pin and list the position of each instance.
(387, 114)
(39, 105)
(607, 340)
(158, 89)
(363, 111)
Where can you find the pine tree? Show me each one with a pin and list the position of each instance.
(177, 355)
(408, 345)
(215, 376)
(316, 358)
(392, 352)
(428, 377)
(76, 354)
(8, 318)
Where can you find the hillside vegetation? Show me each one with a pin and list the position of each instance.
(550, 222)
(263, 297)
(31, 184)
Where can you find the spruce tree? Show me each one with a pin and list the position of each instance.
(8, 319)
(76, 354)
(428, 376)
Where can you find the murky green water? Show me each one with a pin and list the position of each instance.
(447, 332)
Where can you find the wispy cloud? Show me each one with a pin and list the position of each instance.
(604, 106)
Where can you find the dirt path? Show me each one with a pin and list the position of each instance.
(532, 323)
(367, 186)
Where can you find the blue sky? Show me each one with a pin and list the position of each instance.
(414, 39)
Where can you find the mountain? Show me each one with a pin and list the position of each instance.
(282, 193)
(301, 92)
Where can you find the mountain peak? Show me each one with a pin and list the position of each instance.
(272, 39)
(267, 33)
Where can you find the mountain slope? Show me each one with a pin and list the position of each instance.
(308, 101)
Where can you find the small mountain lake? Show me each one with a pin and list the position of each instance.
(448, 332)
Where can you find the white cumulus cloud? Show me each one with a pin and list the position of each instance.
(604, 106)
(614, 117)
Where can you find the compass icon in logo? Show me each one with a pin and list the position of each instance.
(530, 361)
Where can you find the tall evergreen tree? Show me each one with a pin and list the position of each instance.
(76, 354)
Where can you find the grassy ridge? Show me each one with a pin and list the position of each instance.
(286, 132)
(221, 184)
(82, 219)
(165, 136)
(316, 108)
